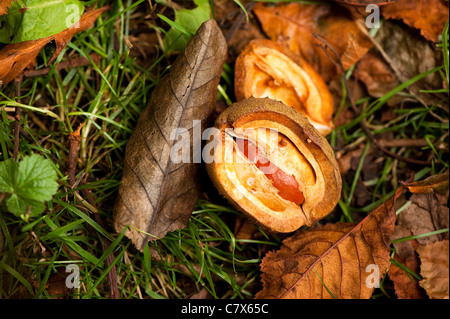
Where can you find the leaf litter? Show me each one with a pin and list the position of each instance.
(434, 269)
(157, 194)
(379, 73)
(340, 252)
(14, 58)
(24, 20)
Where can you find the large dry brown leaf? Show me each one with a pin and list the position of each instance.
(157, 195)
(377, 77)
(429, 16)
(14, 58)
(293, 25)
(409, 55)
(434, 269)
(338, 252)
(402, 55)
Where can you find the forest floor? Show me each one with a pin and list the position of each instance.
(80, 111)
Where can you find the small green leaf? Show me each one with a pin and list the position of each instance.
(27, 185)
(18, 206)
(7, 172)
(35, 19)
(36, 179)
(15, 205)
(188, 21)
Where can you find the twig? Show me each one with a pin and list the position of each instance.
(17, 82)
(370, 135)
(75, 139)
(70, 63)
(238, 21)
(112, 279)
(403, 142)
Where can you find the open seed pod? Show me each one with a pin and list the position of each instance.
(267, 69)
(273, 165)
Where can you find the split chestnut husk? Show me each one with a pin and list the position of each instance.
(273, 165)
(267, 69)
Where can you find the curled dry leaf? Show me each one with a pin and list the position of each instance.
(157, 194)
(343, 254)
(267, 69)
(434, 269)
(408, 56)
(14, 58)
(273, 165)
(293, 26)
(377, 77)
(435, 183)
(429, 16)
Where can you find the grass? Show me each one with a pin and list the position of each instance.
(107, 98)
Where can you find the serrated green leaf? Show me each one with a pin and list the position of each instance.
(36, 179)
(27, 184)
(7, 175)
(35, 19)
(19, 206)
(189, 20)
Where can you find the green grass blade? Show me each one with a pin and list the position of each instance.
(445, 230)
(84, 217)
(357, 173)
(176, 26)
(405, 269)
(326, 288)
(18, 276)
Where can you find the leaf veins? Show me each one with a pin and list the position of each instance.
(340, 253)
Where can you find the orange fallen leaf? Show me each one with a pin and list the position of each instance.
(14, 58)
(345, 256)
(406, 286)
(4, 5)
(293, 25)
(434, 183)
(429, 16)
(376, 75)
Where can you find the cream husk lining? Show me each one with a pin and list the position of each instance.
(314, 180)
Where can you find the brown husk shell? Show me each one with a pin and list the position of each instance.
(267, 109)
(241, 68)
